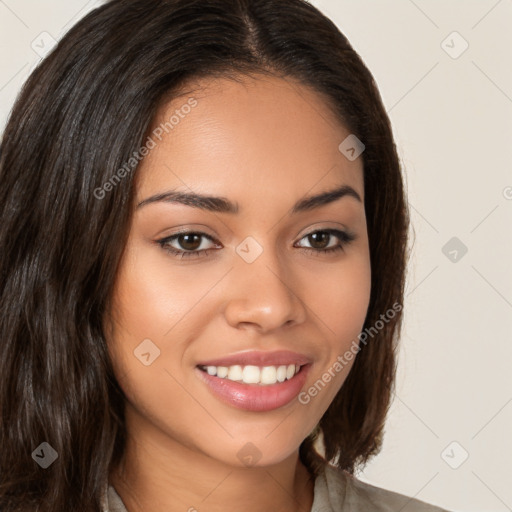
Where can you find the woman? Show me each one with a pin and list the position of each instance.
(203, 229)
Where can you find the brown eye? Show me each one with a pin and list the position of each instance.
(189, 242)
(186, 244)
(319, 239)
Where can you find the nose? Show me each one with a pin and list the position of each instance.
(263, 295)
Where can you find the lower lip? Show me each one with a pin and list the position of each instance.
(255, 397)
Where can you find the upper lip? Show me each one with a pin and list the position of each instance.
(258, 358)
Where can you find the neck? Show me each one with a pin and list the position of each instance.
(158, 473)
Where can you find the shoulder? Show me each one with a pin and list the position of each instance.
(111, 501)
(338, 490)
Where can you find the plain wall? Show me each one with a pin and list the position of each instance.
(451, 112)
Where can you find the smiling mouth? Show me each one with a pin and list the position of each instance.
(251, 374)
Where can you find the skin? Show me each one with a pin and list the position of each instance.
(264, 143)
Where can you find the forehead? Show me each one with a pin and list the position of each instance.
(259, 131)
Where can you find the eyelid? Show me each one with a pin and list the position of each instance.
(345, 236)
(321, 226)
(344, 239)
(189, 230)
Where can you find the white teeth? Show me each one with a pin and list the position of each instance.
(268, 375)
(251, 374)
(235, 372)
(281, 374)
(222, 371)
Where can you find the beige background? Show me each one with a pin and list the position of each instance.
(451, 109)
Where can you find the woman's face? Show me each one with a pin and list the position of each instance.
(254, 280)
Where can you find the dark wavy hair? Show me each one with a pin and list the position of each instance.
(83, 112)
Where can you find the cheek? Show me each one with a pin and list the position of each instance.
(156, 300)
(153, 305)
(152, 295)
(340, 308)
(341, 302)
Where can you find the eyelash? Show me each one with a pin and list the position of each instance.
(344, 237)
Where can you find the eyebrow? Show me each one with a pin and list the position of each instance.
(223, 205)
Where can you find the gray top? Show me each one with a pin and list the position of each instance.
(335, 491)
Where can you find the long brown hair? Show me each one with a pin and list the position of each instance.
(80, 116)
